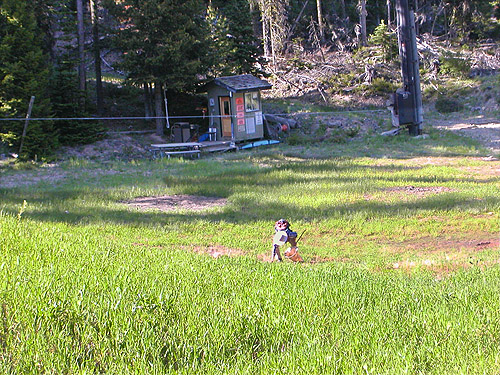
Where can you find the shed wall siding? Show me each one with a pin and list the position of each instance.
(246, 125)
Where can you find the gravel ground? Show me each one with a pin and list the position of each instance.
(485, 130)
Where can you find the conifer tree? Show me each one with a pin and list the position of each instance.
(24, 73)
(164, 42)
(232, 36)
(220, 38)
(386, 40)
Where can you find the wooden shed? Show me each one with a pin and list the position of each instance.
(235, 108)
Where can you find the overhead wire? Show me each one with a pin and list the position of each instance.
(132, 118)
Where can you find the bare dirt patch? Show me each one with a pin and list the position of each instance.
(444, 256)
(425, 246)
(420, 191)
(484, 130)
(484, 172)
(405, 191)
(177, 202)
(216, 251)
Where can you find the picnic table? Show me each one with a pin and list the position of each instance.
(170, 149)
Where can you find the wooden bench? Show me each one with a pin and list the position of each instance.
(161, 153)
(186, 152)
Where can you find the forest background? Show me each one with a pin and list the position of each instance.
(57, 51)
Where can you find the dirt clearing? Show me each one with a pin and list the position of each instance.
(484, 130)
(177, 202)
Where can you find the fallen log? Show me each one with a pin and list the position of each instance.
(291, 123)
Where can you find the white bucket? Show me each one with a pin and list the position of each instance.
(212, 134)
(280, 238)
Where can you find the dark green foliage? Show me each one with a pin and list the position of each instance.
(380, 86)
(387, 41)
(164, 41)
(231, 20)
(221, 41)
(24, 73)
(66, 104)
(473, 19)
(299, 138)
(455, 65)
(445, 104)
(187, 104)
(123, 100)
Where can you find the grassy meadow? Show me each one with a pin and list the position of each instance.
(401, 271)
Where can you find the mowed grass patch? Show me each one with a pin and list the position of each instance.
(400, 271)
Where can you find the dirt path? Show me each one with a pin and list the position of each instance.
(485, 130)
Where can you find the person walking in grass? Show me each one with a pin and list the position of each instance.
(284, 234)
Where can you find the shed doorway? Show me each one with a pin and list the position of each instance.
(225, 111)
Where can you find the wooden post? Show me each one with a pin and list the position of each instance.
(166, 108)
(28, 115)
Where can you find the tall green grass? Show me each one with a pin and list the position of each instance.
(115, 299)
(89, 284)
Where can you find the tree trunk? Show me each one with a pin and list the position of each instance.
(343, 13)
(81, 50)
(321, 26)
(362, 21)
(272, 38)
(255, 21)
(160, 115)
(439, 10)
(292, 29)
(148, 111)
(265, 33)
(97, 55)
(389, 21)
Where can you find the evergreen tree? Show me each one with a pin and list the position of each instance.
(235, 19)
(24, 73)
(222, 47)
(387, 41)
(164, 42)
(65, 97)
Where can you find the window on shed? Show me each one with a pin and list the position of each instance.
(252, 101)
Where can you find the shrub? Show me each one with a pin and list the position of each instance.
(380, 86)
(66, 103)
(446, 104)
(299, 138)
(455, 65)
(387, 41)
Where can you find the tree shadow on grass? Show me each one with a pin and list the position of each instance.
(252, 210)
(244, 188)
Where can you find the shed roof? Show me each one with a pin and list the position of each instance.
(243, 82)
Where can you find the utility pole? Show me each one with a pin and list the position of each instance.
(406, 103)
